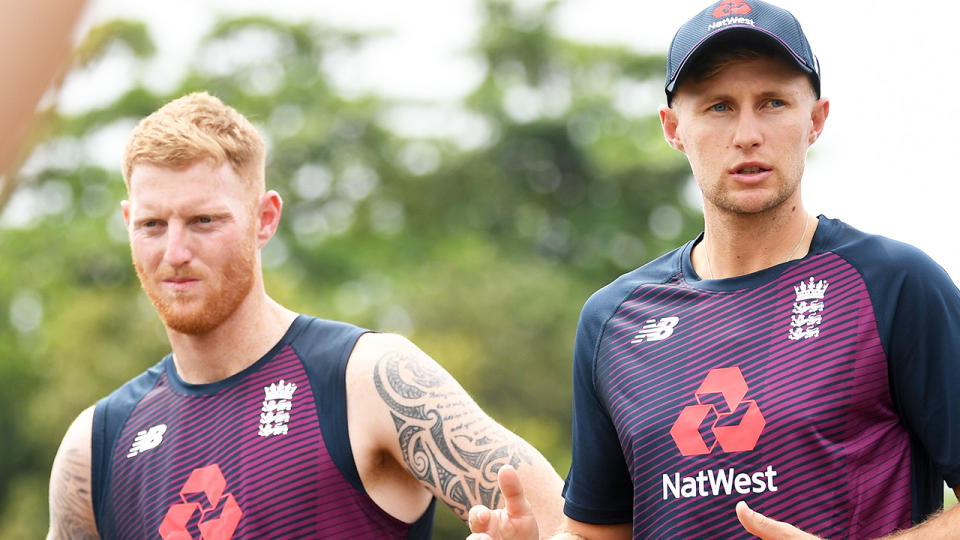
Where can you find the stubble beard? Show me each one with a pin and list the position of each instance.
(726, 201)
(176, 309)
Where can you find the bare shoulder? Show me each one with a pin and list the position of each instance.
(372, 346)
(71, 503)
(379, 358)
(395, 375)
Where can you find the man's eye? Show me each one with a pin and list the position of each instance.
(151, 223)
(204, 219)
(777, 103)
(719, 107)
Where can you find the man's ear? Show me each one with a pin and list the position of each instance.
(125, 209)
(821, 109)
(269, 210)
(668, 121)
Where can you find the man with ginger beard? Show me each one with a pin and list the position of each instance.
(262, 422)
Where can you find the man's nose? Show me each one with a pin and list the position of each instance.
(748, 132)
(178, 251)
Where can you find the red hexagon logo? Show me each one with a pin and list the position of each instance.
(720, 399)
(203, 494)
(734, 7)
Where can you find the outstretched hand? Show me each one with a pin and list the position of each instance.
(766, 528)
(513, 522)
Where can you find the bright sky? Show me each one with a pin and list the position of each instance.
(890, 69)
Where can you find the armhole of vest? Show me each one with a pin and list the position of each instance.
(422, 528)
(109, 416)
(325, 359)
(98, 462)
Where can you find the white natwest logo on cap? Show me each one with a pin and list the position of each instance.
(729, 21)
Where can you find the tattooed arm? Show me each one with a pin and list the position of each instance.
(71, 506)
(416, 432)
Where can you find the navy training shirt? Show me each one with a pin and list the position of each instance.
(821, 391)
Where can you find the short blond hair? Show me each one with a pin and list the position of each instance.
(195, 127)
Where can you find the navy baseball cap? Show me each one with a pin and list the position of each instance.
(740, 21)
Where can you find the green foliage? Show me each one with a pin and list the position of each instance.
(131, 34)
(481, 246)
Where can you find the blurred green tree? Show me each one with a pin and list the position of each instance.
(480, 242)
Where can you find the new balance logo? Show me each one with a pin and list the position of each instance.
(147, 440)
(656, 329)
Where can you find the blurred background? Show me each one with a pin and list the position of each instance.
(465, 173)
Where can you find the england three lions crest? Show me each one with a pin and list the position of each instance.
(807, 309)
(275, 412)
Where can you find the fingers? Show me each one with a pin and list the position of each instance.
(769, 529)
(514, 521)
(756, 523)
(512, 490)
(479, 519)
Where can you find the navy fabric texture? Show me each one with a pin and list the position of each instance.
(883, 292)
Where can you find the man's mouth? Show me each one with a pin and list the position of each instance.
(753, 169)
(180, 283)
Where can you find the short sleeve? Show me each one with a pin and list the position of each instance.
(598, 489)
(923, 353)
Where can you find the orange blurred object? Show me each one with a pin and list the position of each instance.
(36, 39)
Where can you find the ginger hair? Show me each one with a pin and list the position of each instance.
(195, 127)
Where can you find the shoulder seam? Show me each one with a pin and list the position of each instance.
(603, 327)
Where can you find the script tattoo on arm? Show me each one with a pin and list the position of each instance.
(71, 509)
(447, 441)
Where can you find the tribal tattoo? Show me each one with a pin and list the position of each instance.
(446, 440)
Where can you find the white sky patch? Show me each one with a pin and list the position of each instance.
(104, 147)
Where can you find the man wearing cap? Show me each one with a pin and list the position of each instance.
(784, 360)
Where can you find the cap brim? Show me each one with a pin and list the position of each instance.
(739, 35)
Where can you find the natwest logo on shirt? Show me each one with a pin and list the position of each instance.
(734, 422)
(720, 482)
(205, 507)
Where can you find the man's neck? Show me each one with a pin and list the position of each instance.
(243, 338)
(735, 245)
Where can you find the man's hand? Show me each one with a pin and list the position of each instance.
(766, 528)
(514, 522)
